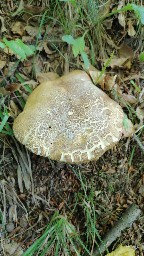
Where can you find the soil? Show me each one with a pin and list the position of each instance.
(29, 195)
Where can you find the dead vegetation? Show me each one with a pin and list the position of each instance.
(35, 191)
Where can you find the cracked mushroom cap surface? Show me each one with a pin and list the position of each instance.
(69, 120)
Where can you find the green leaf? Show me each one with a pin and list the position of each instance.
(141, 56)
(139, 10)
(4, 121)
(78, 46)
(68, 39)
(2, 45)
(28, 50)
(19, 48)
(15, 47)
(85, 59)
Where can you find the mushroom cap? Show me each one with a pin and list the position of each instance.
(69, 120)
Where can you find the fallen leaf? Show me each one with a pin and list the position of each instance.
(2, 63)
(121, 19)
(14, 111)
(47, 50)
(131, 30)
(121, 16)
(18, 28)
(126, 51)
(12, 87)
(33, 9)
(12, 213)
(27, 39)
(120, 62)
(32, 31)
(12, 248)
(3, 28)
(110, 82)
(129, 98)
(97, 77)
(123, 251)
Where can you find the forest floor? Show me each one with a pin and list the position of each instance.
(93, 196)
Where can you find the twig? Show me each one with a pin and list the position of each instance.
(126, 220)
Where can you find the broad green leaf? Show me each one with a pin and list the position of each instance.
(15, 47)
(2, 45)
(141, 56)
(78, 46)
(19, 48)
(68, 39)
(75, 50)
(139, 10)
(28, 50)
(85, 59)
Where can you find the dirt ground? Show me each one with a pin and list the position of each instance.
(32, 188)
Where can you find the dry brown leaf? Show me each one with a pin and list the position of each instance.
(14, 111)
(120, 62)
(131, 30)
(47, 50)
(32, 31)
(2, 63)
(106, 81)
(12, 87)
(18, 28)
(49, 76)
(121, 16)
(126, 51)
(110, 82)
(129, 98)
(3, 28)
(33, 9)
(27, 39)
(13, 213)
(38, 65)
(9, 51)
(12, 248)
(121, 19)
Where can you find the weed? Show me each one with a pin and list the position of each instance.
(60, 237)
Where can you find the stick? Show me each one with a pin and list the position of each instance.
(126, 220)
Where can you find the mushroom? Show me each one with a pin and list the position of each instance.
(70, 120)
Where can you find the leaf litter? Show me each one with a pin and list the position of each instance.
(33, 188)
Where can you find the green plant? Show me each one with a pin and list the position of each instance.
(78, 47)
(141, 57)
(60, 237)
(86, 198)
(4, 116)
(138, 10)
(18, 48)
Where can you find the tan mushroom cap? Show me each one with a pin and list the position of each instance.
(70, 120)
